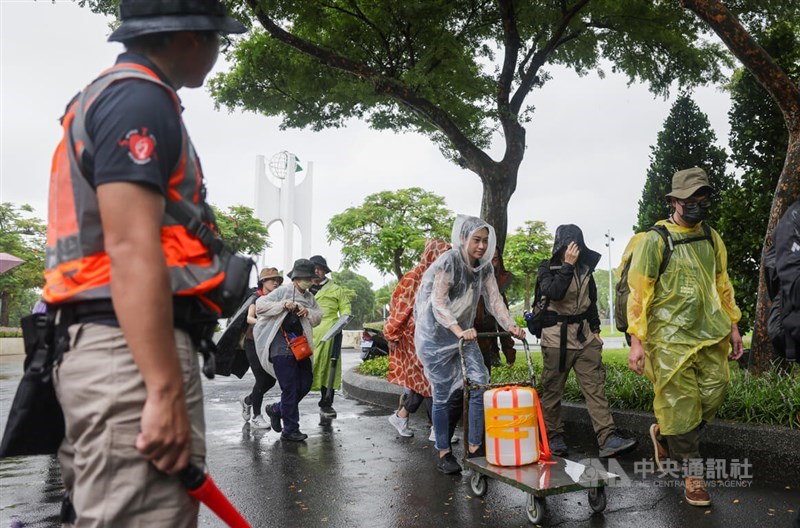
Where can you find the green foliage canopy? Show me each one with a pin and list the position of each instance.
(686, 140)
(241, 230)
(525, 250)
(24, 236)
(362, 298)
(390, 228)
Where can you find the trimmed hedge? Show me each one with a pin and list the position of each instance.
(771, 399)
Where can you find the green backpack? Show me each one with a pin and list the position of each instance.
(623, 290)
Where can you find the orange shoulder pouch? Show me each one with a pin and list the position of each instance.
(300, 347)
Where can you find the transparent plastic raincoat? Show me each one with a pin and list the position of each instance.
(449, 295)
(683, 319)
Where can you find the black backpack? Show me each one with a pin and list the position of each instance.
(622, 288)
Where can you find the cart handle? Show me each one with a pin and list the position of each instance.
(525, 346)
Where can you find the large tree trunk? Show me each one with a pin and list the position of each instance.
(4, 298)
(497, 191)
(787, 96)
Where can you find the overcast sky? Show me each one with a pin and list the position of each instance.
(588, 144)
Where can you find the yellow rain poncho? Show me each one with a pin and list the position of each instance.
(683, 319)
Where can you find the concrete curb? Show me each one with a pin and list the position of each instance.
(777, 459)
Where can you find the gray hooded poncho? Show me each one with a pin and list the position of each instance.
(449, 295)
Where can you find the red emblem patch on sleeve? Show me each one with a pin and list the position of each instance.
(141, 145)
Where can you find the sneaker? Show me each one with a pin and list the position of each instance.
(660, 450)
(695, 491)
(448, 464)
(246, 408)
(327, 412)
(432, 437)
(615, 445)
(401, 424)
(259, 422)
(296, 436)
(274, 419)
(480, 452)
(558, 446)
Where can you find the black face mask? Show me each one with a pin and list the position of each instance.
(694, 213)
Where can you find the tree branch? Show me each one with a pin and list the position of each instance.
(782, 90)
(474, 157)
(542, 55)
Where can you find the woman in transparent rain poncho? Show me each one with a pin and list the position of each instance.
(444, 312)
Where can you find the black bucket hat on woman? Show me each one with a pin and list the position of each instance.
(686, 182)
(320, 261)
(302, 269)
(143, 17)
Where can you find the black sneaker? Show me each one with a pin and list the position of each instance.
(480, 452)
(448, 464)
(327, 412)
(558, 446)
(274, 418)
(296, 436)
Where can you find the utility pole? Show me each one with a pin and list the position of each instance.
(609, 240)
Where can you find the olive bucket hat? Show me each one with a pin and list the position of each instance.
(687, 182)
(143, 17)
(302, 269)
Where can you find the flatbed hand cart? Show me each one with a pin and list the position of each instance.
(552, 476)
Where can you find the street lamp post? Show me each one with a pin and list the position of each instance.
(609, 240)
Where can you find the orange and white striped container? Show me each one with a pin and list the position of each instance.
(512, 428)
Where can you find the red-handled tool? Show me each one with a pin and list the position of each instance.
(200, 486)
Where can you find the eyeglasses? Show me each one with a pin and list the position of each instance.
(704, 203)
(224, 43)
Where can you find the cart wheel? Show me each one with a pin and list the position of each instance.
(534, 507)
(478, 483)
(597, 499)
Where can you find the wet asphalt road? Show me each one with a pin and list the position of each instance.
(359, 473)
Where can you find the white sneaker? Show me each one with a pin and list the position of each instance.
(432, 437)
(401, 424)
(245, 408)
(260, 423)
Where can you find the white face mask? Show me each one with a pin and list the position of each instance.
(304, 284)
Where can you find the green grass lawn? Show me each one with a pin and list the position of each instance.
(771, 399)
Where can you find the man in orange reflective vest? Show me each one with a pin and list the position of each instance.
(126, 278)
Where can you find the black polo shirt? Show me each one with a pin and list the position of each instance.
(136, 130)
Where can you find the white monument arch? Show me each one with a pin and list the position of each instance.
(280, 199)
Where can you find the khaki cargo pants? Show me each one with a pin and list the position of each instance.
(102, 393)
(591, 376)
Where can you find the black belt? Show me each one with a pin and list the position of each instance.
(565, 321)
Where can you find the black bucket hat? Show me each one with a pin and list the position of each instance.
(302, 269)
(320, 261)
(143, 17)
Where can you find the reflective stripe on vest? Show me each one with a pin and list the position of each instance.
(77, 267)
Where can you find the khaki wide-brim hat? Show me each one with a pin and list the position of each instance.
(686, 182)
(270, 273)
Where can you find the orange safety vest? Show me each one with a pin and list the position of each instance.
(77, 268)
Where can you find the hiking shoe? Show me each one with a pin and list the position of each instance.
(259, 422)
(558, 446)
(246, 408)
(660, 450)
(448, 464)
(432, 437)
(615, 445)
(296, 436)
(327, 412)
(695, 491)
(401, 424)
(274, 419)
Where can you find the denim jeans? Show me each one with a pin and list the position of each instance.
(443, 403)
